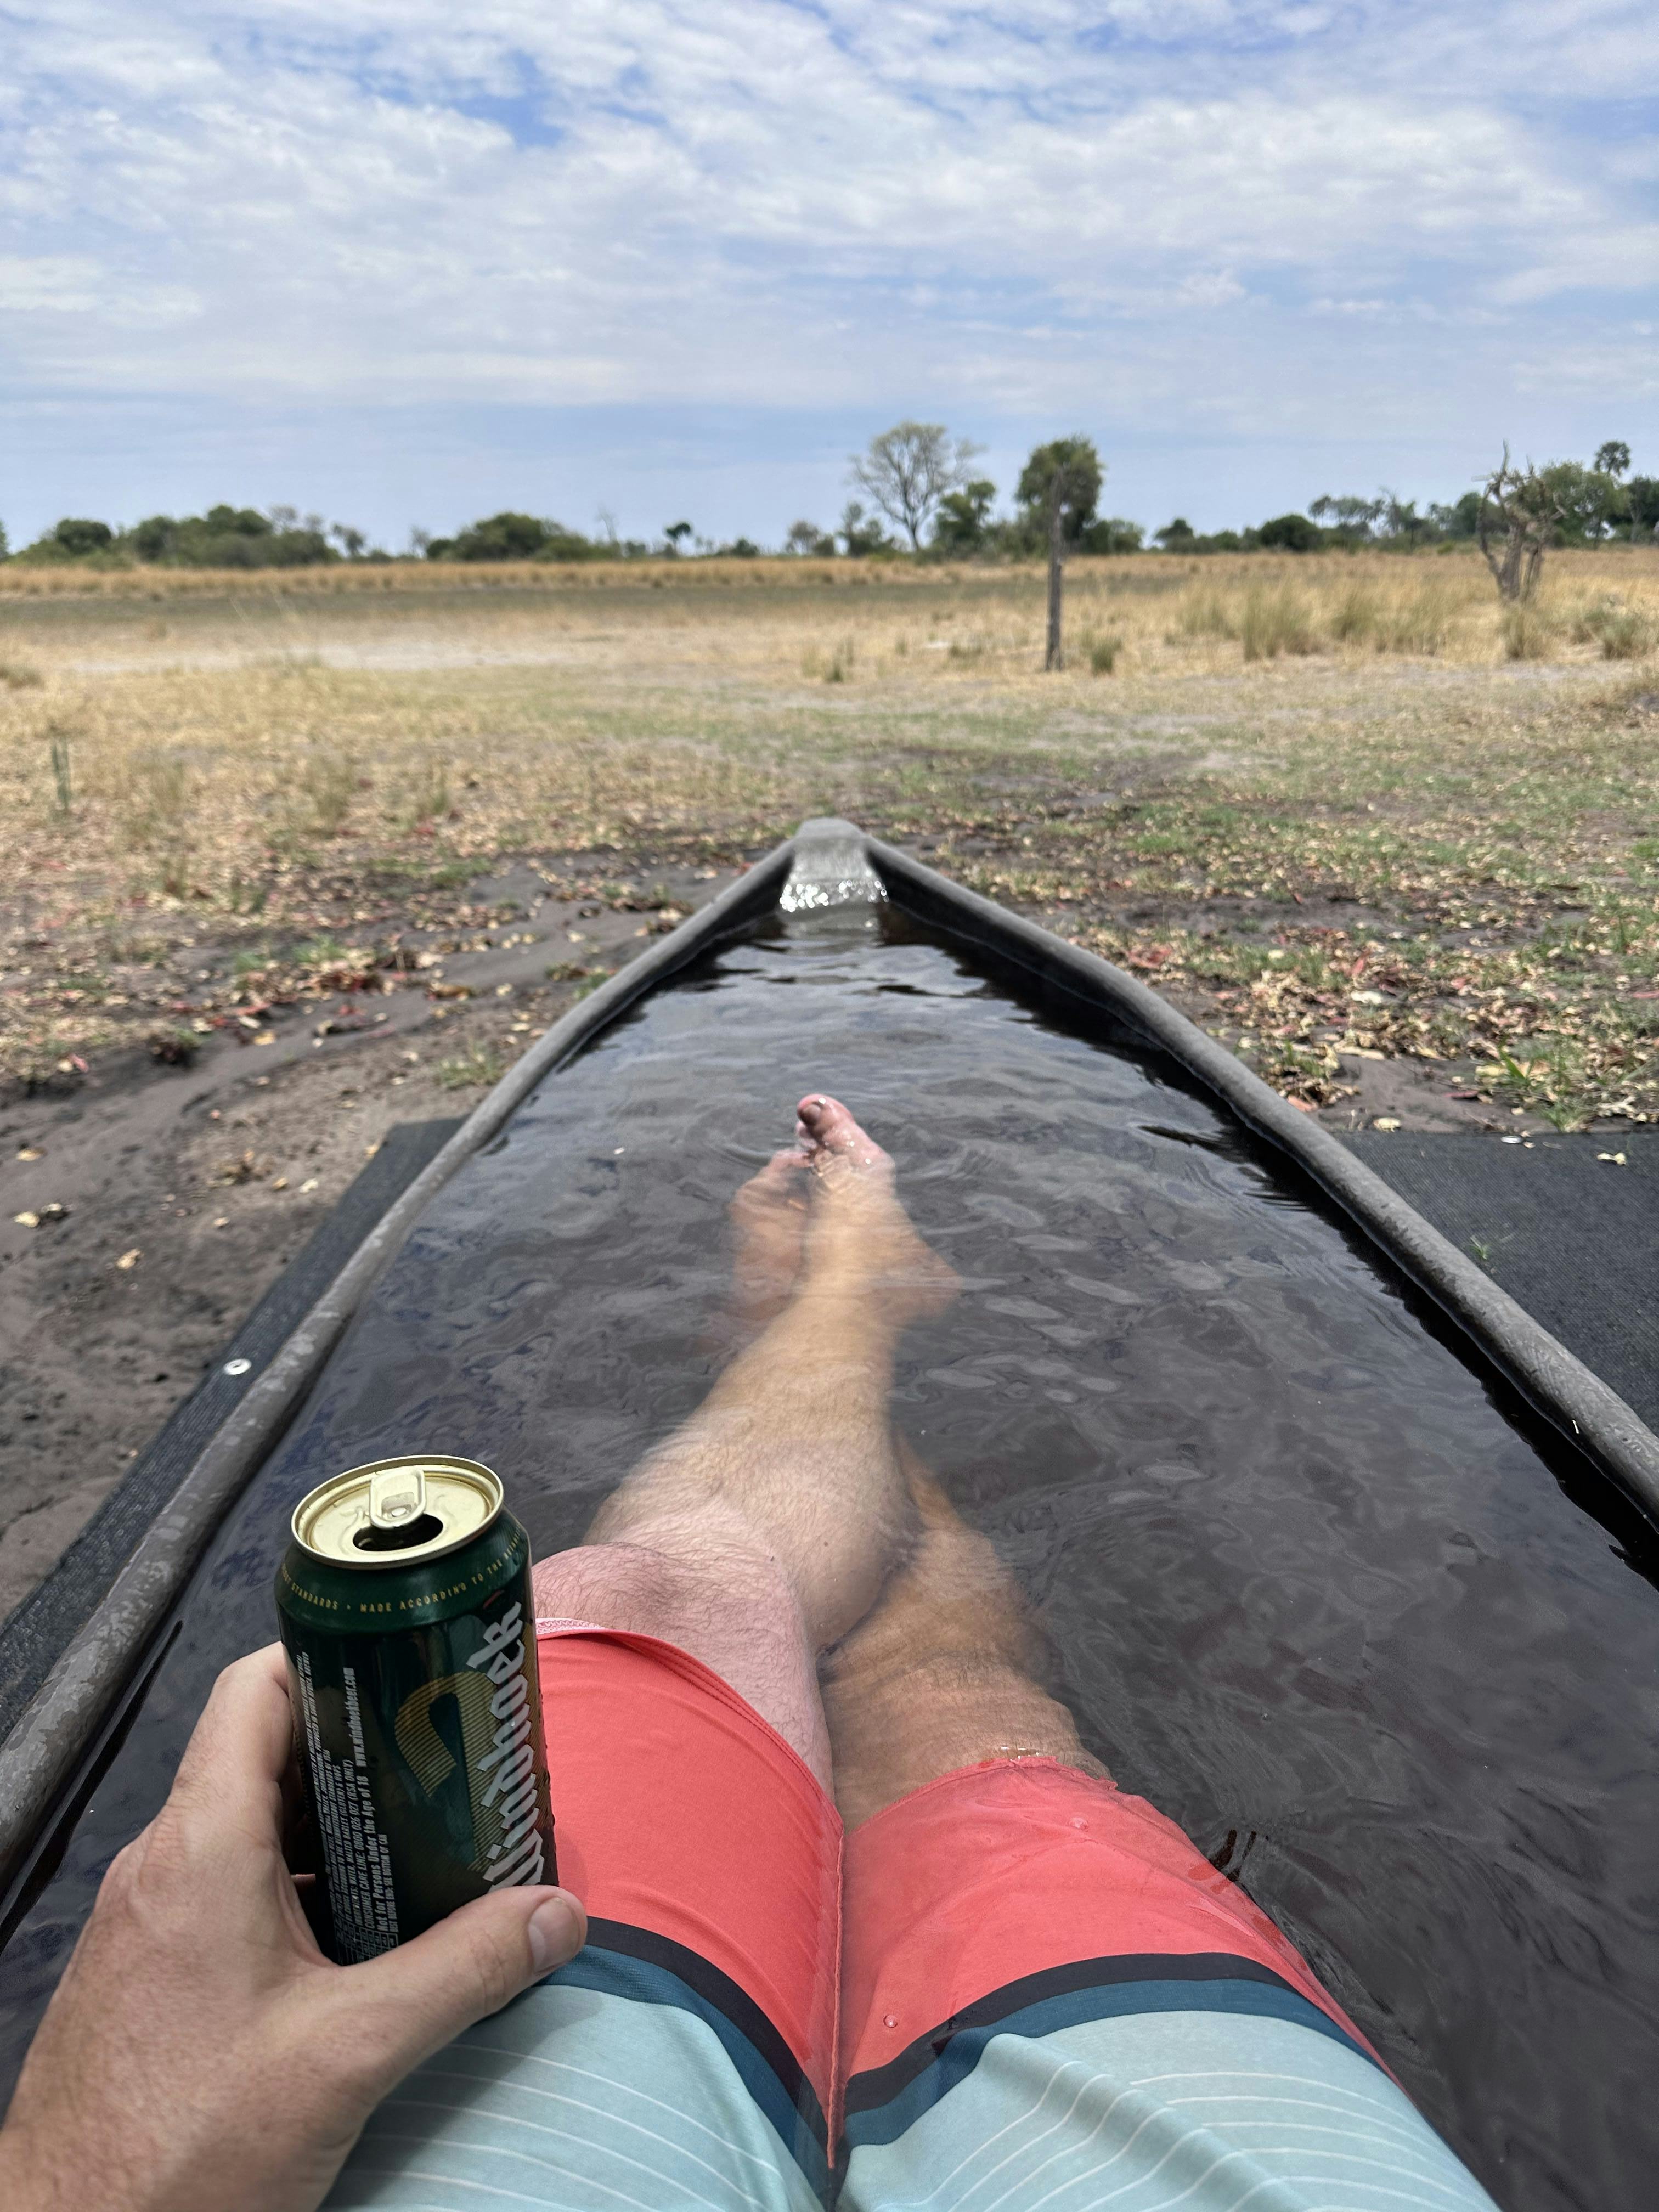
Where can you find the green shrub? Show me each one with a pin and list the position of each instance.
(1294, 533)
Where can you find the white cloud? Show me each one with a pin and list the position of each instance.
(1036, 203)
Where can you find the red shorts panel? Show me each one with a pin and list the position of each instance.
(1003, 1870)
(679, 1811)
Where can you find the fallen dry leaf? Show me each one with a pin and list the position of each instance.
(280, 1183)
(310, 1184)
(1618, 1158)
(27, 1220)
(27, 1152)
(129, 1260)
(221, 1221)
(1385, 1122)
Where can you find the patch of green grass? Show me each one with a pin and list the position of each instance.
(478, 1067)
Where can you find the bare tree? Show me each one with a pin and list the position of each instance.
(908, 469)
(1516, 523)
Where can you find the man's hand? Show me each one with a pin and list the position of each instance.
(201, 2055)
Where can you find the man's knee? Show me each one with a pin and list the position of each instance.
(683, 1595)
(734, 1610)
(625, 1586)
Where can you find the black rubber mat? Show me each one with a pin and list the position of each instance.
(1569, 1234)
(32, 1637)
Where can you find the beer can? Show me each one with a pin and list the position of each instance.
(407, 1618)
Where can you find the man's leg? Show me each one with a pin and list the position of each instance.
(942, 1674)
(761, 1532)
(687, 2055)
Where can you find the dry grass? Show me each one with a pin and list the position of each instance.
(222, 762)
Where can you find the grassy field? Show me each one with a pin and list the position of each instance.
(1341, 807)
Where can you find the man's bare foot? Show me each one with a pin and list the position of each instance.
(833, 1142)
(768, 1222)
(859, 1238)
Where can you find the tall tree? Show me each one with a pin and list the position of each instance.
(1613, 460)
(908, 469)
(964, 516)
(1059, 485)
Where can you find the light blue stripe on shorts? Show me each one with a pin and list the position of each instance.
(582, 2100)
(1204, 2111)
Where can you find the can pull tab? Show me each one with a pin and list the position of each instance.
(396, 1496)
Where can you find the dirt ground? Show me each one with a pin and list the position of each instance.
(284, 860)
(185, 1190)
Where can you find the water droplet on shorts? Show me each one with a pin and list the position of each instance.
(889, 2020)
(1078, 1823)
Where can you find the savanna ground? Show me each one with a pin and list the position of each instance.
(1398, 848)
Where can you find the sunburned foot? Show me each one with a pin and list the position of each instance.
(860, 1237)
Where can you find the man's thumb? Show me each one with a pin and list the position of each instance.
(422, 1994)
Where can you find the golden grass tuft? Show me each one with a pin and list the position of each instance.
(1276, 619)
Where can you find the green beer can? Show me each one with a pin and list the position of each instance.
(410, 1634)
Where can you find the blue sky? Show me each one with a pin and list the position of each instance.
(403, 263)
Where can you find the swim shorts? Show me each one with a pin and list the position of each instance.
(1017, 1989)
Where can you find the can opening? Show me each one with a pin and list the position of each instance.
(421, 1530)
(395, 1511)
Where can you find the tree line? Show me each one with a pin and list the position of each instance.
(919, 496)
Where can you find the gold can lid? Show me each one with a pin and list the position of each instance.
(396, 1512)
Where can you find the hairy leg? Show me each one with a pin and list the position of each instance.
(942, 1674)
(762, 1530)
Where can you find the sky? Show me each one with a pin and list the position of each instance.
(405, 262)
